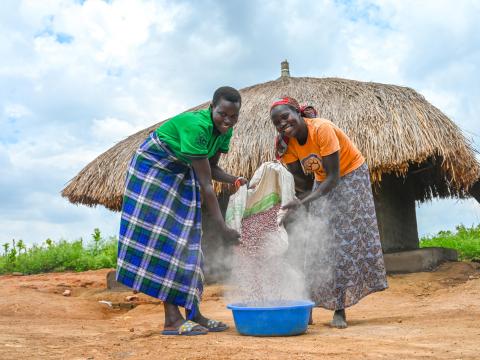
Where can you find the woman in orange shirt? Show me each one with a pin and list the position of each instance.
(344, 261)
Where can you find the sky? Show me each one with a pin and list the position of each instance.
(76, 77)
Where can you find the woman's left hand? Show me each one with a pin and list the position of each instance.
(240, 181)
(292, 205)
(289, 209)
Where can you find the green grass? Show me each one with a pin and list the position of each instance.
(59, 256)
(466, 240)
(101, 253)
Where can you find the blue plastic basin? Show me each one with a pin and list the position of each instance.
(284, 318)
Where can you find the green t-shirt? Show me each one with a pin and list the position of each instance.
(193, 135)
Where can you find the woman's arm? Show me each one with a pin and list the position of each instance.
(204, 175)
(218, 174)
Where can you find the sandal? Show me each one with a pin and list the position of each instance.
(188, 328)
(216, 326)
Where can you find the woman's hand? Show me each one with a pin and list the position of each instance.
(231, 236)
(289, 209)
(240, 181)
(292, 205)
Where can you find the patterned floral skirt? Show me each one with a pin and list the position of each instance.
(344, 260)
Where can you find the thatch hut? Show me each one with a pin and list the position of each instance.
(413, 150)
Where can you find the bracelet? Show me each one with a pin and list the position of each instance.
(237, 182)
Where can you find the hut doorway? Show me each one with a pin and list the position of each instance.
(396, 216)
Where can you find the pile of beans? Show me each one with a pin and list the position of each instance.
(255, 229)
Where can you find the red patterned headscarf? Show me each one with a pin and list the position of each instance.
(308, 111)
(286, 101)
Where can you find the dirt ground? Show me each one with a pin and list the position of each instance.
(430, 315)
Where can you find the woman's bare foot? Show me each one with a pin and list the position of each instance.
(339, 320)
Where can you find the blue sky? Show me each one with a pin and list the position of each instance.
(76, 77)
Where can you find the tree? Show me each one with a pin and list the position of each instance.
(21, 246)
(5, 248)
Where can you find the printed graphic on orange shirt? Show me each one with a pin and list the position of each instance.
(311, 163)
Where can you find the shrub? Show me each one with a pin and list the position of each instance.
(466, 240)
(59, 256)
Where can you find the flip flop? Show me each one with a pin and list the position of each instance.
(188, 328)
(216, 326)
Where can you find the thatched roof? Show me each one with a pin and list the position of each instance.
(395, 128)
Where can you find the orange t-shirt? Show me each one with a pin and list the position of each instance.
(324, 138)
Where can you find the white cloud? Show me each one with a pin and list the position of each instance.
(76, 77)
(16, 111)
(79, 224)
(112, 129)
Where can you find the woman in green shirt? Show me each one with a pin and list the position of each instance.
(159, 250)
